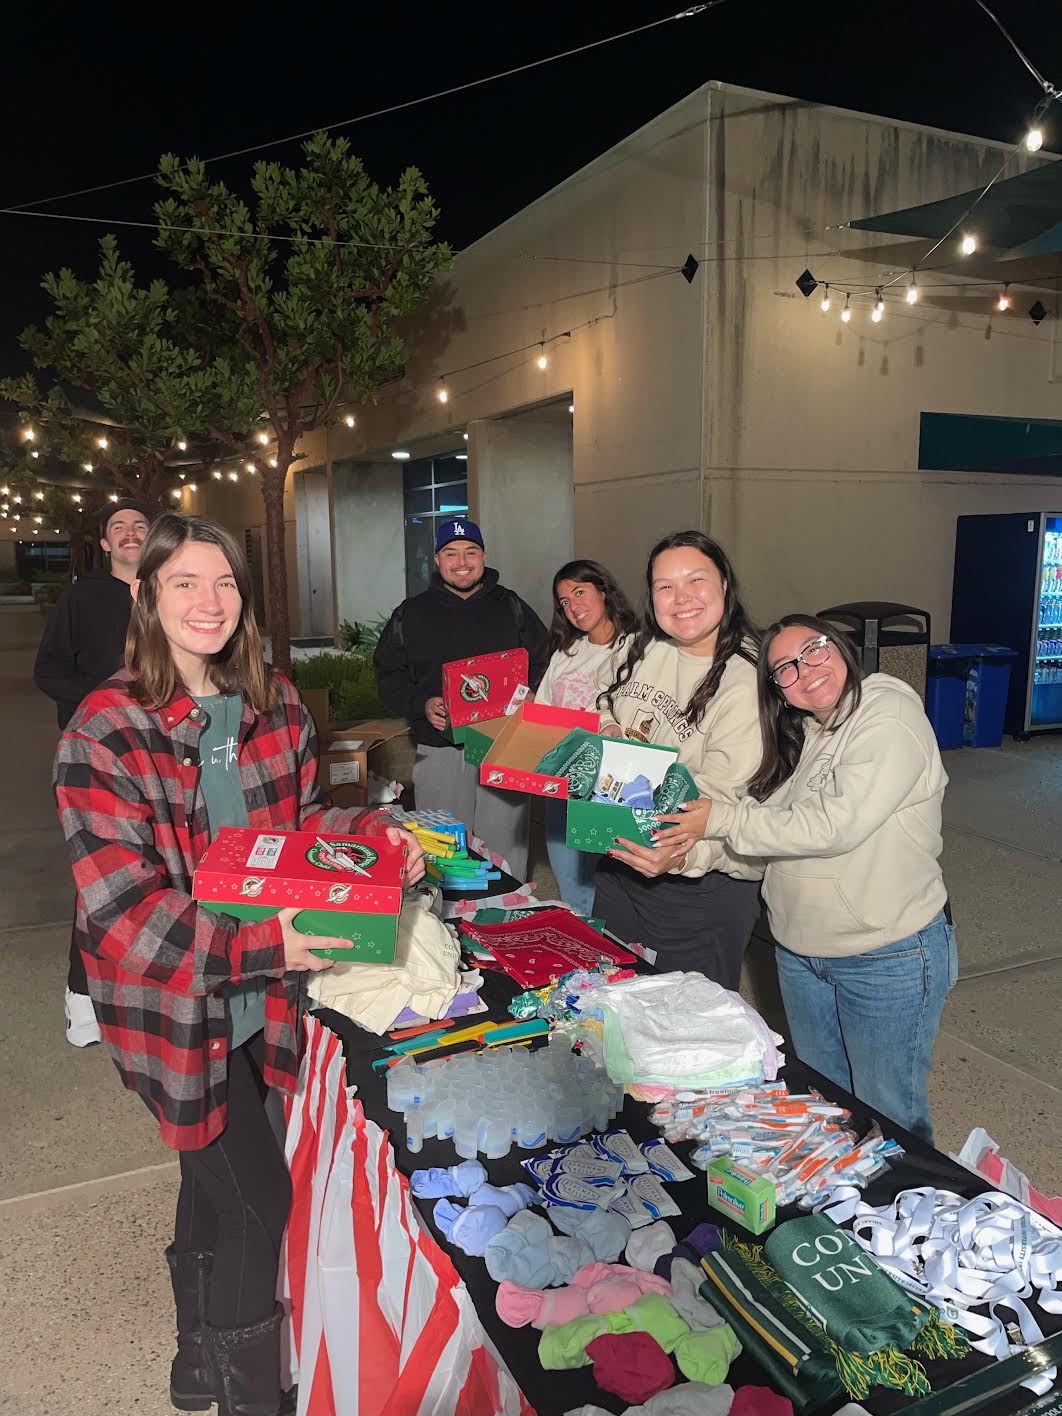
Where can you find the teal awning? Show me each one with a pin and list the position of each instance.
(1021, 215)
(951, 442)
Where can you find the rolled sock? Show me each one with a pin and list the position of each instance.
(706, 1356)
(657, 1317)
(460, 1179)
(687, 1399)
(474, 1227)
(612, 1295)
(762, 1401)
(605, 1232)
(521, 1252)
(444, 1214)
(563, 1305)
(647, 1245)
(686, 1283)
(510, 1199)
(563, 1346)
(632, 1365)
(568, 1255)
(703, 1239)
(601, 1273)
(518, 1306)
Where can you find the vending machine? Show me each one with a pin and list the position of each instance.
(1007, 590)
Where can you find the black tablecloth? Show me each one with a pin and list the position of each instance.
(552, 1393)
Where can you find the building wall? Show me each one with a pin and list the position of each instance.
(811, 425)
(369, 543)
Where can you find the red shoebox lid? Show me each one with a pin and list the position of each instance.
(293, 869)
(483, 687)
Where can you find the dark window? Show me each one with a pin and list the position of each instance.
(434, 488)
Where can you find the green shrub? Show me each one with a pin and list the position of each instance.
(361, 639)
(350, 681)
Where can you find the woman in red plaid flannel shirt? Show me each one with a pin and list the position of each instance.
(197, 1008)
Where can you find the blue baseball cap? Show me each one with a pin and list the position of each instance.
(458, 528)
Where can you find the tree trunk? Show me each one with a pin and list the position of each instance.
(276, 562)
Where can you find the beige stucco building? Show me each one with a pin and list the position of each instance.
(729, 402)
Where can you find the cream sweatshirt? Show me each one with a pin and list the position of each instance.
(721, 753)
(852, 840)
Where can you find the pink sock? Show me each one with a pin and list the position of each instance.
(652, 1283)
(590, 1274)
(561, 1305)
(518, 1306)
(612, 1295)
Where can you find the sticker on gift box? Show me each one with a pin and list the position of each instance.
(341, 855)
(265, 852)
(252, 887)
(475, 688)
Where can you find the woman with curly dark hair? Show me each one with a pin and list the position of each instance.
(688, 682)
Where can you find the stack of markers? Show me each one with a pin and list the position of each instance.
(446, 857)
(799, 1142)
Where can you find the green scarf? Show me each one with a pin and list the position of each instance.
(576, 758)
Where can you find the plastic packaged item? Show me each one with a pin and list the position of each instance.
(561, 1189)
(663, 1162)
(415, 1132)
(618, 1145)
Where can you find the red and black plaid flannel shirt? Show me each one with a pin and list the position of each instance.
(126, 781)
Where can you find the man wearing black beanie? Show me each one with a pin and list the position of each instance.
(83, 644)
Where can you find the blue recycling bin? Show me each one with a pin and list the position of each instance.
(966, 693)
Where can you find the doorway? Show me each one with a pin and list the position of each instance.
(313, 549)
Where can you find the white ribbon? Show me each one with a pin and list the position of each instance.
(990, 1252)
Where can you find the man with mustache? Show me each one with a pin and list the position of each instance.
(83, 644)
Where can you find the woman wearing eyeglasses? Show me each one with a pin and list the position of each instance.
(845, 811)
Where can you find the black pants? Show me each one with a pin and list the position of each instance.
(234, 1200)
(76, 980)
(700, 924)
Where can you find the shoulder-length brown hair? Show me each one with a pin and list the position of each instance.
(239, 667)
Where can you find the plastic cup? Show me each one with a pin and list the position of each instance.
(466, 1124)
(497, 1139)
(414, 1130)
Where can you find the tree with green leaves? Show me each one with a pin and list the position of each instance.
(292, 317)
(307, 288)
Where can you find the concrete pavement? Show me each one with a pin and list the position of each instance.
(87, 1189)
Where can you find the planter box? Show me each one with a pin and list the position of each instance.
(252, 874)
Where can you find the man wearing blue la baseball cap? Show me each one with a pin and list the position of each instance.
(465, 611)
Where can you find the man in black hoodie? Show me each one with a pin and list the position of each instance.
(464, 611)
(83, 644)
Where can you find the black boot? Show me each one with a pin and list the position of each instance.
(245, 1368)
(191, 1386)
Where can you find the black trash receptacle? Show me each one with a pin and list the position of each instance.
(892, 639)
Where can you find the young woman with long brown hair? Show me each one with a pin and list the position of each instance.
(845, 811)
(198, 1009)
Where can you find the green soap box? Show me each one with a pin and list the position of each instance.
(741, 1194)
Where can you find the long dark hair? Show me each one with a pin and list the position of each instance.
(736, 633)
(562, 633)
(782, 725)
(239, 667)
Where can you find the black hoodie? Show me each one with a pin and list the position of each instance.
(431, 629)
(84, 642)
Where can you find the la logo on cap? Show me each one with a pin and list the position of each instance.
(459, 530)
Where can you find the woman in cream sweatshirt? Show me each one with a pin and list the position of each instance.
(688, 682)
(845, 812)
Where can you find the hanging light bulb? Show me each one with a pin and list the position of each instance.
(86, 466)
(1034, 139)
(911, 295)
(250, 466)
(263, 438)
(878, 312)
(57, 532)
(39, 496)
(192, 487)
(176, 493)
(273, 462)
(1003, 303)
(76, 497)
(5, 491)
(968, 244)
(234, 476)
(113, 497)
(29, 435)
(826, 298)
(182, 475)
(350, 420)
(17, 501)
(216, 474)
(442, 393)
(846, 313)
(182, 446)
(542, 361)
(38, 519)
(102, 442)
(35, 453)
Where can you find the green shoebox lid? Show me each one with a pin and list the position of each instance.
(373, 937)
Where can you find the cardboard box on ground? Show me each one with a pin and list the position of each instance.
(348, 754)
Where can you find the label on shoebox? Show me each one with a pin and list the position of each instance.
(265, 853)
(340, 773)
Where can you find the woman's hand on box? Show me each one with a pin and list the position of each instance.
(297, 956)
(435, 712)
(651, 861)
(413, 871)
(690, 821)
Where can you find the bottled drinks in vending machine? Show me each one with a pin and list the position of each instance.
(1048, 667)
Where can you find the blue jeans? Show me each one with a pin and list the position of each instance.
(574, 869)
(868, 1021)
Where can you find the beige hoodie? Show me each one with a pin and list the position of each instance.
(721, 753)
(852, 840)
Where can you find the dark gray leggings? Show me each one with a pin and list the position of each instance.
(234, 1200)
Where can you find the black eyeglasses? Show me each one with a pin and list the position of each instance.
(817, 652)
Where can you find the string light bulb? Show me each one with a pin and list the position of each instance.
(1034, 139)
(968, 244)
(77, 498)
(273, 462)
(182, 446)
(102, 443)
(29, 434)
(826, 298)
(263, 439)
(193, 487)
(176, 493)
(350, 420)
(542, 361)
(234, 476)
(846, 313)
(911, 295)
(86, 466)
(5, 491)
(34, 453)
(878, 312)
(113, 497)
(216, 474)
(250, 466)
(17, 501)
(39, 496)
(1003, 303)
(442, 393)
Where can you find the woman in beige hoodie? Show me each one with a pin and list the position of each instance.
(845, 813)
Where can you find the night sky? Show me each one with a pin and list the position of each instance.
(96, 93)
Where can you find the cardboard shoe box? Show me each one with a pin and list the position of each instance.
(348, 756)
(593, 826)
(511, 759)
(481, 690)
(348, 887)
